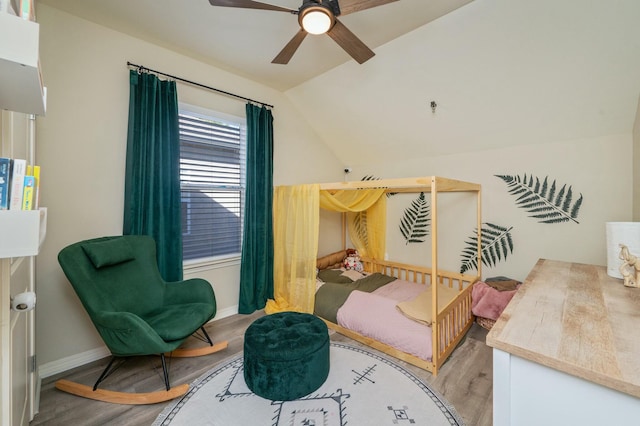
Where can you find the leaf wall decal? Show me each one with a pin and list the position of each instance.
(545, 202)
(371, 177)
(496, 244)
(414, 225)
(360, 225)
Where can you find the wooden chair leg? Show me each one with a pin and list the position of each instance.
(123, 397)
(193, 352)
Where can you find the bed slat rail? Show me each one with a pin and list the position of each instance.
(418, 274)
(451, 323)
(453, 320)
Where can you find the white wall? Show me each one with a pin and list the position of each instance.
(81, 147)
(503, 73)
(545, 88)
(599, 169)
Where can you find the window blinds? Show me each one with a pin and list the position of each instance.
(212, 158)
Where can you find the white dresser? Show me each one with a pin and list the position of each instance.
(566, 350)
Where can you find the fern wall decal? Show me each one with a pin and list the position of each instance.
(414, 225)
(371, 177)
(496, 244)
(360, 225)
(545, 202)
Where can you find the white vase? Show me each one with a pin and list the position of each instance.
(627, 233)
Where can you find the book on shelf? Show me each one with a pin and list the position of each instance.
(17, 183)
(5, 177)
(27, 10)
(36, 196)
(28, 192)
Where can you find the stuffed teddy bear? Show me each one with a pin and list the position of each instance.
(352, 261)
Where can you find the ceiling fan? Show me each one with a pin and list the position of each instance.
(317, 17)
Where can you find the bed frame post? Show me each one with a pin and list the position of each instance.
(344, 231)
(435, 338)
(479, 215)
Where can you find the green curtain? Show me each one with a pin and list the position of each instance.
(152, 176)
(256, 270)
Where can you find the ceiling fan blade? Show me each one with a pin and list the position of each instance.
(250, 4)
(350, 43)
(286, 54)
(350, 6)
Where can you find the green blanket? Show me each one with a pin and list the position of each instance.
(331, 296)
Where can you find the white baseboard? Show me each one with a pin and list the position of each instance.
(52, 368)
(55, 367)
(227, 312)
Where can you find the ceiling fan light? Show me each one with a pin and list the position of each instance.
(316, 21)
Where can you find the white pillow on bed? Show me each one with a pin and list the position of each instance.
(352, 274)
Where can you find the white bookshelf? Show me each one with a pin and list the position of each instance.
(22, 232)
(21, 87)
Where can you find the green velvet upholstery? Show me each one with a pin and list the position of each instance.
(135, 311)
(286, 355)
(109, 252)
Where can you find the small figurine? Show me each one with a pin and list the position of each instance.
(630, 265)
(352, 261)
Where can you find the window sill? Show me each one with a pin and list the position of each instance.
(198, 265)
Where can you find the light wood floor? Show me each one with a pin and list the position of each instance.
(465, 380)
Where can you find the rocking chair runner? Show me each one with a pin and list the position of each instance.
(135, 311)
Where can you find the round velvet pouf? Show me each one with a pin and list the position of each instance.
(286, 355)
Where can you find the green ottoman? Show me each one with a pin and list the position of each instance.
(286, 355)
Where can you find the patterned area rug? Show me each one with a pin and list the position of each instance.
(362, 389)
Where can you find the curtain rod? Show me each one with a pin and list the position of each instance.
(233, 95)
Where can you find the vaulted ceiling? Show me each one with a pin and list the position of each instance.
(502, 72)
(245, 41)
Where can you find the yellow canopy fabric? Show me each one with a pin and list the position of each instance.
(367, 230)
(295, 237)
(355, 200)
(366, 217)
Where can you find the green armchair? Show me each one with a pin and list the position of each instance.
(135, 311)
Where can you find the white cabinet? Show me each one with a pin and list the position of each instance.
(566, 350)
(21, 87)
(526, 393)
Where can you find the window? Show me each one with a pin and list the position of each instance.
(212, 178)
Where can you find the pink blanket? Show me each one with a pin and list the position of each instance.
(487, 302)
(376, 316)
(400, 290)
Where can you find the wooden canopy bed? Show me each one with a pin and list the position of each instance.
(449, 319)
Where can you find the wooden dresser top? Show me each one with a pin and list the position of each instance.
(576, 319)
